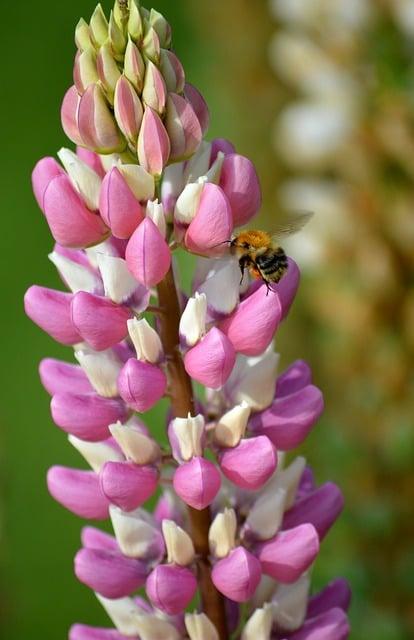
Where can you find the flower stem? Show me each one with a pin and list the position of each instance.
(182, 403)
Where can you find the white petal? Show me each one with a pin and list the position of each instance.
(155, 211)
(200, 627)
(119, 283)
(222, 533)
(264, 592)
(287, 479)
(222, 286)
(189, 433)
(123, 613)
(135, 445)
(253, 380)
(151, 627)
(289, 604)
(187, 203)
(85, 180)
(214, 173)
(145, 340)
(106, 247)
(259, 625)
(193, 319)
(76, 276)
(198, 165)
(180, 548)
(266, 514)
(102, 369)
(133, 532)
(231, 427)
(138, 180)
(172, 184)
(96, 454)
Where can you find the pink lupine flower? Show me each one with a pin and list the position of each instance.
(244, 527)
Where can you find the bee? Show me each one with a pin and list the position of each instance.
(259, 252)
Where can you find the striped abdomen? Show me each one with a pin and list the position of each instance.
(272, 264)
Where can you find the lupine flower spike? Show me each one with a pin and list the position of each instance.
(234, 523)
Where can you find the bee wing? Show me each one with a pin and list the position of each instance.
(291, 223)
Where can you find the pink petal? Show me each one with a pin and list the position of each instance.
(250, 464)
(78, 491)
(100, 322)
(199, 105)
(252, 325)
(171, 588)
(128, 485)
(96, 123)
(286, 556)
(86, 416)
(69, 115)
(183, 127)
(321, 508)
(336, 594)
(296, 376)
(289, 419)
(212, 360)
(92, 160)
(240, 183)
(223, 145)
(60, 377)
(197, 482)
(141, 384)
(71, 223)
(147, 254)
(42, 174)
(118, 206)
(238, 575)
(112, 575)
(153, 143)
(93, 538)
(332, 625)
(50, 310)
(212, 225)
(128, 109)
(84, 632)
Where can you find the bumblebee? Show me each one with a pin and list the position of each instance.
(259, 252)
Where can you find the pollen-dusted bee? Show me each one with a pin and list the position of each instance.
(259, 251)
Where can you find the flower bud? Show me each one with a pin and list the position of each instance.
(288, 420)
(50, 310)
(155, 212)
(135, 26)
(102, 370)
(186, 437)
(110, 574)
(136, 536)
(253, 380)
(286, 556)
(231, 427)
(294, 378)
(180, 548)
(128, 485)
(147, 254)
(128, 110)
(188, 202)
(331, 625)
(96, 454)
(320, 508)
(86, 416)
(200, 627)
(69, 115)
(222, 533)
(57, 376)
(197, 482)
(211, 361)
(252, 325)
(141, 385)
(71, 223)
(193, 320)
(199, 105)
(259, 625)
(85, 632)
(98, 26)
(154, 92)
(119, 284)
(116, 37)
(85, 180)
(336, 594)
(240, 183)
(99, 321)
(119, 207)
(45, 170)
(84, 70)
(108, 71)
(78, 491)
(134, 67)
(212, 225)
(153, 143)
(145, 340)
(171, 588)
(83, 36)
(96, 124)
(162, 27)
(183, 127)
(151, 47)
(135, 445)
(172, 71)
(238, 575)
(250, 464)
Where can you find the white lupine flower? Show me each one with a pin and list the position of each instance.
(138, 180)
(85, 180)
(266, 515)
(150, 627)
(199, 164)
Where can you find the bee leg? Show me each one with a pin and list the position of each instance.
(242, 265)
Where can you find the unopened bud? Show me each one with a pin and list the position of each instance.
(135, 27)
(162, 28)
(116, 37)
(222, 533)
(154, 93)
(151, 46)
(96, 123)
(99, 26)
(183, 127)
(180, 548)
(83, 36)
(153, 143)
(155, 211)
(84, 70)
(134, 67)
(128, 110)
(108, 71)
(172, 71)
(85, 180)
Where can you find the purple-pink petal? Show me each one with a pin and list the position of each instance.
(45, 170)
(212, 225)
(183, 127)
(212, 360)
(238, 575)
(147, 254)
(78, 491)
(153, 143)
(320, 508)
(110, 574)
(294, 378)
(286, 556)
(93, 538)
(100, 322)
(50, 310)
(61, 377)
(119, 208)
(128, 485)
(197, 482)
(84, 632)
(171, 588)
(199, 105)
(331, 625)
(141, 384)
(250, 464)
(86, 416)
(69, 115)
(240, 183)
(336, 594)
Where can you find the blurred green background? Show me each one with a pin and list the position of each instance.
(365, 441)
